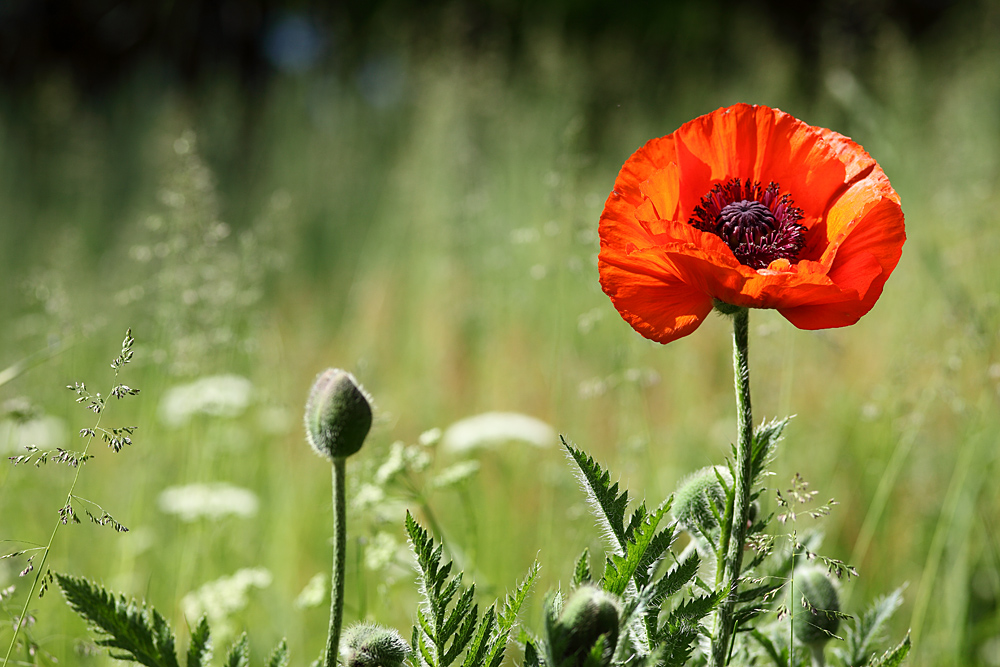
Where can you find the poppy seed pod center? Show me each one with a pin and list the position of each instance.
(745, 221)
(758, 224)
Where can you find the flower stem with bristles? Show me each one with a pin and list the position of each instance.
(722, 635)
(339, 560)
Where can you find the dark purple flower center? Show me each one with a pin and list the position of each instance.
(758, 224)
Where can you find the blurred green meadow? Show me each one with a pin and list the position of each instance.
(431, 225)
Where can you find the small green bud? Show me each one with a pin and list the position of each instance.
(816, 619)
(371, 645)
(590, 615)
(338, 414)
(694, 497)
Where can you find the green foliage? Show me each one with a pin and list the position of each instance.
(658, 627)
(239, 653)
(608, 505)
(893, 657)
(200, 650)
(765, 439)
(581, 573)
(279, 656)
(140, 634)
(867, 630)
(133, 632)
(448, 625)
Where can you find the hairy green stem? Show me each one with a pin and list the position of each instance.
(722, 637)
(339, 560)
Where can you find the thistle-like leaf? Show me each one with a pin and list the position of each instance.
(677, 644)
(439, 637)
(893, 657)
(765, 438)
(507, 617)
(200, 649)
(531, 654)
(478, 649)
(581, 573)
(675, 578)
(860, 640)
(239, 653)
(279, 656)
(133, 632)
(621, 568)
(693, 610)
(608, 505)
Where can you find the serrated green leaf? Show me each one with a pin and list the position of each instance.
(200, 650)
(239, 652)
(531, 655)
(479, 646)
(135, 633)
(608, 505)
(458, 612)
(440, 636)
(893, 657)
(279, 656)
(460, 640)
(581, 573)
(860, 639)
(675, 578)
(693, 610)
(677, 644)
(508, 616)
(765, 439)
(621, 569)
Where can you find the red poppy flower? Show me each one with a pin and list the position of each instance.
(751, 207)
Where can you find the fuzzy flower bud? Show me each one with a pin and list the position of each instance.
(371, 645)
(695, 496)
(589, 616)
(338, 414)
(817, 620)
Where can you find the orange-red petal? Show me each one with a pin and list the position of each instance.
(662, 273)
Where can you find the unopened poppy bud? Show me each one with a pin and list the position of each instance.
(818, 618)
(371, 645)
(695, 497)
(589, 615)
(338, 414)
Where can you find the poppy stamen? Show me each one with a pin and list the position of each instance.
(758, 224)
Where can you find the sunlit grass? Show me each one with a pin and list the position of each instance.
(443, 249)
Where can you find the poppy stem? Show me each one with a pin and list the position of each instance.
(339, 561)
(739, 514)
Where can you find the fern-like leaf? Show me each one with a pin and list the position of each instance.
(675, 578)
(134, 632)
(239, 653)
(279, 656)
(607, 503)
(677, 645)
(860, 640)
(507, 617)
(690, 612)
(765, 439)
(479, 647)
(439, 637)
(581, 573)
(200, 649)
(895, 656)
(621, 568)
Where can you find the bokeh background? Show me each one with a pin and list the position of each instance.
(411, 190)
